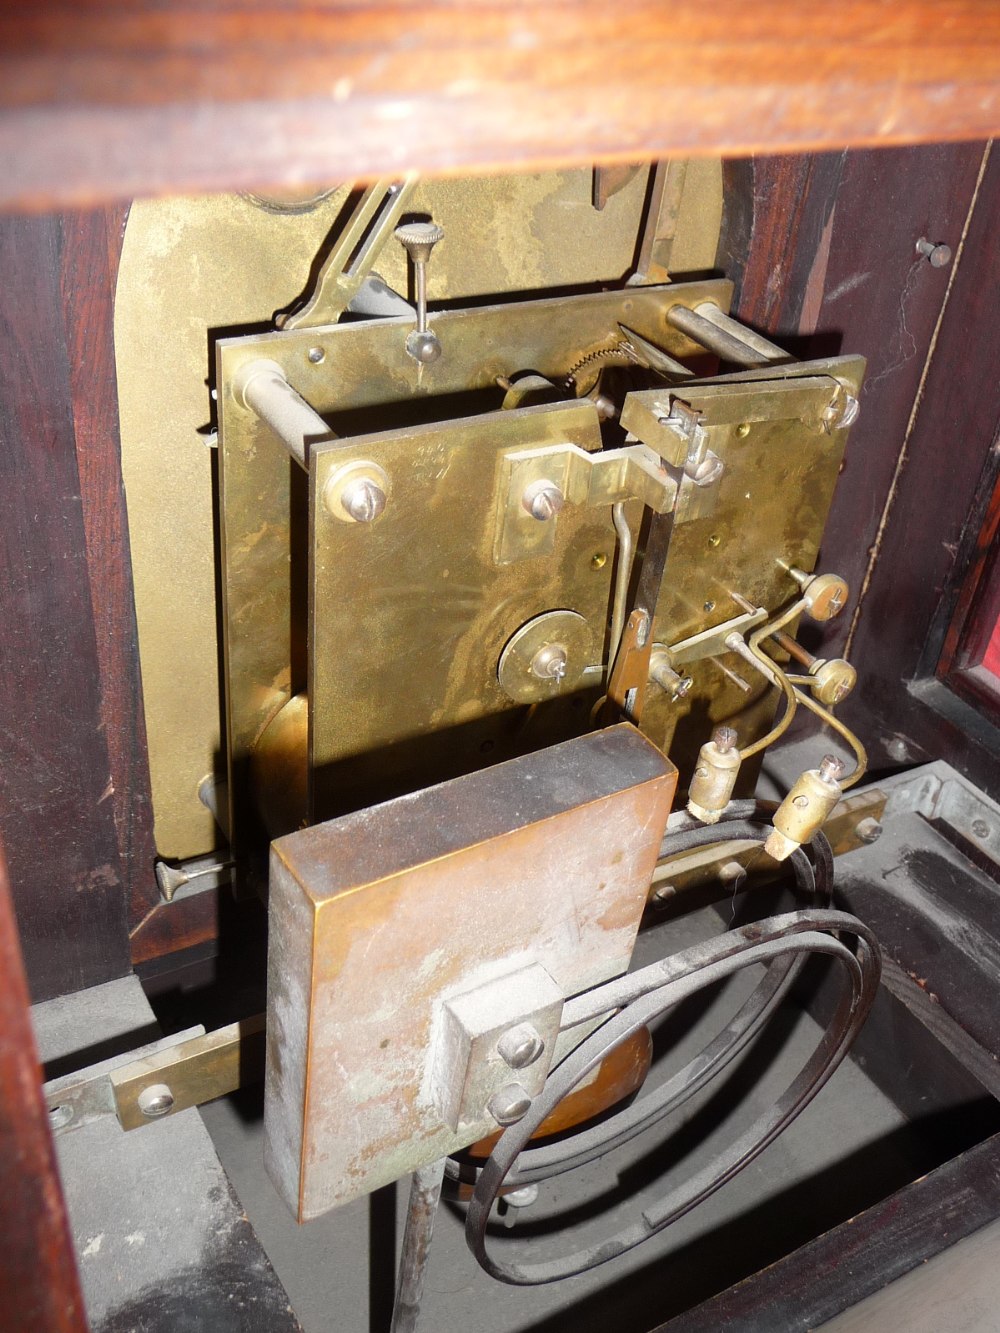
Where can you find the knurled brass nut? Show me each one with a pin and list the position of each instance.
(419, 239)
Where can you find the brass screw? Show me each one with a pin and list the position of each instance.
(743, 429)
(599, 560)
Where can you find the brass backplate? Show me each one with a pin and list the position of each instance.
(543, 860)
(194, 268)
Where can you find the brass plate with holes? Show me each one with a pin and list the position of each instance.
(410, 613)
(379, 625)
(194, 268)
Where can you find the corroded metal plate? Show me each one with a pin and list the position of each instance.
(379, 916)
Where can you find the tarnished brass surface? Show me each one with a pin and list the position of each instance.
(545, 859)
(724, 863)
(195, 1071)
(197, 267)
(409, 613)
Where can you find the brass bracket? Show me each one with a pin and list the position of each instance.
(711, 642)
(572, 476)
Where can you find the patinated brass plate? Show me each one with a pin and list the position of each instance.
(193, 269)
(545, 860)
(381, 601)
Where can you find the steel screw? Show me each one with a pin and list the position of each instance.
(509, 1105)
(521, 1046)
(363, 499)
(935, 252)
(980, 828)
(868, 830)
(831, 768)
(543, 500)
(725, 739)
(316, 355)
(156, 1100)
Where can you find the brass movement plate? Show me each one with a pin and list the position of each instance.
(193, 269)
(409, 614)
(545, 859)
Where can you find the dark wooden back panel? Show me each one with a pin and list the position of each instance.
(39, 1286)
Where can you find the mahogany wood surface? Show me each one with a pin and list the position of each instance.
(939, 503)
(39, 1286)
(108, 100)
(56, 784)
(90, 249)
(824, 247)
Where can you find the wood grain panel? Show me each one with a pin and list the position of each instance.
(56, 812)
(39, 1286)
(105, 100)
(89, 255)
(826, 259)
(939, 499)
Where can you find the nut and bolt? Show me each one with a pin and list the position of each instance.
(831, 768)
(509, 1105)
(521, 1046)
(363, 499)
(724, 739)
(543, 499)
(156, 1100)
(512, 1203)
(868, 830)
(936, 253)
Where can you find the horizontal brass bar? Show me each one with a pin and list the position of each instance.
(189, 1074)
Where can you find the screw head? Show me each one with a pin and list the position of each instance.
(521, 1046)
(935, 252)
(509, 1105)
(831, 768)
(550, 662)
(725, 738)
(363, 499)
(543, 499)
(316, 355)
(423, 347)
(980, 828)
(868, 830)
(156, 1100)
